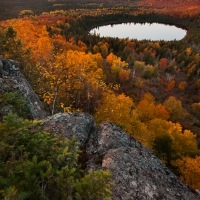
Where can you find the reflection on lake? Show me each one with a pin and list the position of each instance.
(139, 31)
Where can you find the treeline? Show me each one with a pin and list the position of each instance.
(149, 88)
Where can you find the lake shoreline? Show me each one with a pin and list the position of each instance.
(141, 31)
(178, 25)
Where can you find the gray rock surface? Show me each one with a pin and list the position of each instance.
(11, 80)
(79, 125)
(136, 172)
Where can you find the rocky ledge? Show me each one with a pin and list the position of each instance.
(136, 172)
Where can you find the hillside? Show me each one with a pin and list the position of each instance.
(150, 89)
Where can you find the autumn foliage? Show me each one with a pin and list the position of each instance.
(189, 169)
(148, 88)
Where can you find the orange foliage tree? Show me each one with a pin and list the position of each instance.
(124, 75)
(171, 85)
(163, 62)
(161, 112)
(147, 109)
(182, 85)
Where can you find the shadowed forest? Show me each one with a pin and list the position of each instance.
(151, 89)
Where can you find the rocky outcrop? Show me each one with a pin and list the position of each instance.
(11, 80)
(136, 172)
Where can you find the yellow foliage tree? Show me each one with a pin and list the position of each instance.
(157, 127)
(174, 108)
(115, 66)
(98, 58)
(43, 51)
(183, 142)
(104, 50)
(139, 130)
(71, 77)
(189, 169)
(118, 109)
(147, 109)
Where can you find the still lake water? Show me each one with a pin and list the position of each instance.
(139, 31)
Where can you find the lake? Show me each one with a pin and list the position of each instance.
(146, 31)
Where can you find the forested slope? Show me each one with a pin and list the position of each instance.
(66, 156)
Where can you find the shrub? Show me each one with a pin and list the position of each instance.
(17, 101)
(37, 165)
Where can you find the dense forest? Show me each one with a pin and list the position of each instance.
(149, 88)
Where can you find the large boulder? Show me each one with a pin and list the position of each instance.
(136, 172)
(11, 80)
